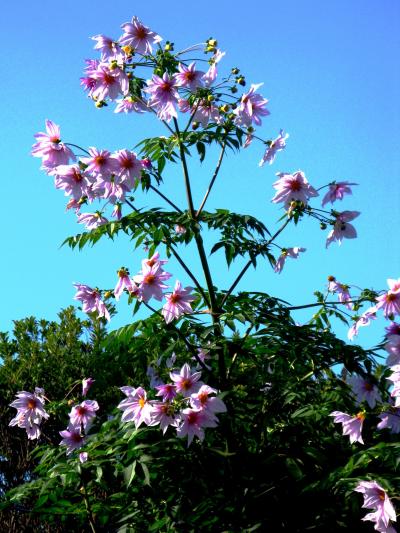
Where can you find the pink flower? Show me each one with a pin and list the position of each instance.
(50, 148)
(129, 167)
(178, 303)
(341, 290)
(100, 163)
(163, 96)
(91, 301)
(352, 425)
(108, 48)
(166, 391)
(92, 220)
(72, 438)
(336, 191)
(277, 145)
(72, 180)
(363, 320)
(211, 74)
(364, 390)
(135, 407)
(139, 37)
(83, 414)
(194, 423)
(186, 383)
(150, 281)
(342, 229)
(30, 412)
(375, 497)
(163, 414)
(202, 401)
(390, 301)
(287, 252)
(291, 187)
(204, 111)
(251, 108)
(124, 282)
(110, 82)
(130, 104)
(390, 419)
(189, 77)
(86, 384)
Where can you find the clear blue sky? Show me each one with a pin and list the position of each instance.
(330, 71)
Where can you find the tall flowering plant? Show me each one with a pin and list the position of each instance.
(265, 376)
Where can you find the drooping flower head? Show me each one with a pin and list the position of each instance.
(375, 497)
(124, 282)
(287, 252)
(275, 146)
(336, 191)
(139, 37)
(92, 220)
(352, 425)
(341, 228)
(341, 290)
(86, 384)
(363, 320)
(50, 148)
(108, 48)
(91, 300)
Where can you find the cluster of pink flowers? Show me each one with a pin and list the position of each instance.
(30, 412)
(102, 175)
(80, 419)
(186, 404)
(147, 284)
(376, 498)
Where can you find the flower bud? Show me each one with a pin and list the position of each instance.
(169, 47)
(210, 98)
(241, 81)
(235, 71)
(195, 125)
(234, 90)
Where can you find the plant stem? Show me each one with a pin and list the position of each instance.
(214, 308)
(88, 507)
(200, 209)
